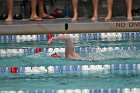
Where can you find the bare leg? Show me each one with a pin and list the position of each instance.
(129, 8)
(109, 10)
(75, 10)
(42, 13)
(95, 15)
(34, 16)
(10, 10)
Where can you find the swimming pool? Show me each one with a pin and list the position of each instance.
(113, 64)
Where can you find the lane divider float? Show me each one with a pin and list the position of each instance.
(90, 49)
(83, 36)
(55, 69)
(102, 90)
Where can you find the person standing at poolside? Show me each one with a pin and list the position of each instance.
(69, 50)
(75, 10)
(109, 9)
(42, 14)
(10, 10)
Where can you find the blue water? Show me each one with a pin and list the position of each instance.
(69, 81)
(100, 50)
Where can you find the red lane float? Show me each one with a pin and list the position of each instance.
(13, 70)
(49, 36)
(38, 50)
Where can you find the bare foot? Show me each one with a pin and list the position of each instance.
(94, 19)
(35, 18)
(46, 16)
(74, 19)
(129, 18)
(107, 19)
(9, 19)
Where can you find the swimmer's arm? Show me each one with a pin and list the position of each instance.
(60, 37)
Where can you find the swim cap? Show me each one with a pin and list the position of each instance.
(56, 55)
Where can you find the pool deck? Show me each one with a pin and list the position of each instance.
(64, 25)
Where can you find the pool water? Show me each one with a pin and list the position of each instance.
(117, 57)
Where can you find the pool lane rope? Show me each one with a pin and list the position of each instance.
(109, 90)
(84, 36)
(70, 68)
(85, 49)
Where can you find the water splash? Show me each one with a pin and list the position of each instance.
(105, 54)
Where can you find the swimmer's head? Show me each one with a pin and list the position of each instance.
(56, 55)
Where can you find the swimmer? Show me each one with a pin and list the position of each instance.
(69, 49)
